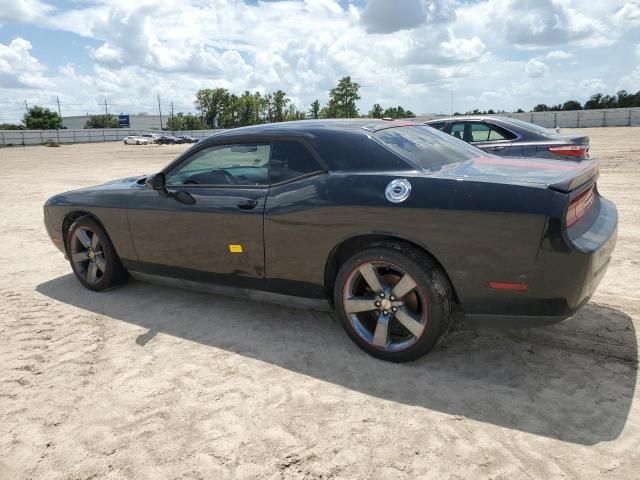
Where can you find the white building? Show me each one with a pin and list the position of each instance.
(136, 122)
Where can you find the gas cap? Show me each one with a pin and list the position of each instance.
(398, 190)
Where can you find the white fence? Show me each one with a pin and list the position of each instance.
(38, 137)
(612, 117)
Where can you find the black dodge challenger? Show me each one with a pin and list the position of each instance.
(389, 223)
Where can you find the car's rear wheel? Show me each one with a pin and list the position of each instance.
(394, 303)
(93, 259)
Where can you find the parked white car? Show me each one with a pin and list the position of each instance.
(135, 140)
(152, 137)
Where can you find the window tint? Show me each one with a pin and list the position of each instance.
(240, 164)
(344, 151)
(290, 160)
(480, 132)
(457, 130)
(438, 125)
(426, 147)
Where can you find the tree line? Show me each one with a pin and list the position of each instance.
(220, 108)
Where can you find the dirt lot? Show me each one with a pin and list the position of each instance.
(149, 382)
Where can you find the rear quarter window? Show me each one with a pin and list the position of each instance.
(357, 152)
(425, 147)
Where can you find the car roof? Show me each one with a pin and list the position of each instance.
(469, 117)
(355, 125)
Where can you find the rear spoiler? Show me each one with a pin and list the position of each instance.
(586, 172)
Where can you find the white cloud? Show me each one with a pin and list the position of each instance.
(383, 16)
(628, 15)
(535, 68)
(23, 10)
(18, 68)
(559, 55)
(414, 55)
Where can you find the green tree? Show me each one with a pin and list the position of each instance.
(102, 121)
(594, 102)
(343, 98)
(279, 102)
(376, 111)
(541, 107)
(183, 121)
(11, 126)
(572, 105)
(211, 103)
(42, 118)
(292, 113)
(314, 110)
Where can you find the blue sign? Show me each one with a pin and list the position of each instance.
(123, 121)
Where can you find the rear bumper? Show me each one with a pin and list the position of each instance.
(567, 273)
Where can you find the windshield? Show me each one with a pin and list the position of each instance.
(426, 147)
(528, 126)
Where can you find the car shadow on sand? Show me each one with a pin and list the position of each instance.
(573, 381)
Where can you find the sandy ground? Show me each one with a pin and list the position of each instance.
(148, 382)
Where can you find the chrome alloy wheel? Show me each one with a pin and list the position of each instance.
(385, 306)
(87, 255)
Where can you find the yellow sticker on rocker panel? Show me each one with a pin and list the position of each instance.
(235, 248)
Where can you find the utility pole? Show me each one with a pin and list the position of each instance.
(26, 107)
(172, 125)
(160, 112)
(106, 114)
(59, 112)
(452, 104)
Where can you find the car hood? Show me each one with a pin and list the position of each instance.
(561, 175)
(94, 194)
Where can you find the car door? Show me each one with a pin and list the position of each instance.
(219, 238)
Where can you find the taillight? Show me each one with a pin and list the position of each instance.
(579, 206)
(570, 150)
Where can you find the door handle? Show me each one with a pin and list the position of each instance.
(248, 204)
(496, 148)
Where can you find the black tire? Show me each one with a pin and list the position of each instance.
(112, 272)
(432, 299)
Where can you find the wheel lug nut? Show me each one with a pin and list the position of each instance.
(385, 312)
(377, 304)
(392, 298)
(394, 309)
(382, 295)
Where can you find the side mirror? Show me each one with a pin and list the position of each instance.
(156, 182)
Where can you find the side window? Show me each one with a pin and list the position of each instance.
(438, 125)
(239, 164)
(479, 132)
(290, 160)
(457, 130)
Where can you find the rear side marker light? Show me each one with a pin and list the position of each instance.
(579, 206)
(570, 150)
(516, 287)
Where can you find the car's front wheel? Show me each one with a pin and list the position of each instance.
(395, 303)
(93, 259)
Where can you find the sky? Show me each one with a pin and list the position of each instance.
(421, 54)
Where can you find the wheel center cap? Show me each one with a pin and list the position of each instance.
(91, 255)
(385, 304)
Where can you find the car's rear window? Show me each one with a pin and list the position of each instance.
(426, 147)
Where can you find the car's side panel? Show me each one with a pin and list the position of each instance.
(108, 205)
(305, 220)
